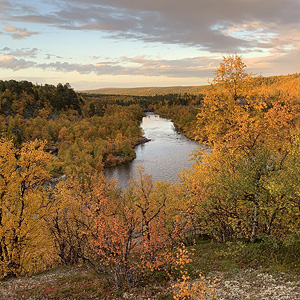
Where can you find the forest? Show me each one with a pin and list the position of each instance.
(57, 209)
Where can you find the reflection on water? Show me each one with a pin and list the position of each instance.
(162, 158)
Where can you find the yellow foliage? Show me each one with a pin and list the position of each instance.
(250, 136)
(24, 203)
(187, 289)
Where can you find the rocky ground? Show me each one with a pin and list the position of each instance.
(252, 284)
(78, 283)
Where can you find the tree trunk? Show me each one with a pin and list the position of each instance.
(254, 223)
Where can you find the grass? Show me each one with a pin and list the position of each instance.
(267, 256)
(240, 267)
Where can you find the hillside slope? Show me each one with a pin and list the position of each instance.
(147, 91)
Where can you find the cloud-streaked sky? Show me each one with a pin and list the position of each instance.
(130, 43)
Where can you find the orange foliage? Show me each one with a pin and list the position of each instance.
(130, 239)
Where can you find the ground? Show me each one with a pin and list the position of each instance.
(80, 283)
(243, 272)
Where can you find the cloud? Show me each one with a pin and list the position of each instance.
(141, 65)
(282, 63)
(18, 33)
(10, 28)
(195, 67)
(4, 5)
(9, 62)
(50, 56)
(213, 25)
(24, 52)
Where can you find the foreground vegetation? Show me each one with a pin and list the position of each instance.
(242, 270)
(242, 194)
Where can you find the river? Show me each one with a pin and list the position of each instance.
(163, 157)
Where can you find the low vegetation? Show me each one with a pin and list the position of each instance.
(234, 270)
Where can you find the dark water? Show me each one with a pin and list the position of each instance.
(162, 158)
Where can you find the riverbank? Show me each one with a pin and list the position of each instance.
(115, 159)
(144, 140)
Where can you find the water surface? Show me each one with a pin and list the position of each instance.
(163, 157)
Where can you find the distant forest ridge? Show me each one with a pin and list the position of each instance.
(152, 91)
(148, 91)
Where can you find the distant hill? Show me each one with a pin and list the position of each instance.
(152, 91)
(148, 91)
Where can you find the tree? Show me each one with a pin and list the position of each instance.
(227, 100)
(231, 76)
(70, 219)
(250, 145)
(23, 203)
(65, 97)
(130, 238)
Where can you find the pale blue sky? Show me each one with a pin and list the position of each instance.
(130, 43)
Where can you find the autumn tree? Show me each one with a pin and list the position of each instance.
(69, 220)
(231, 76)
(130, 239)
(23, 204)
(250, 143)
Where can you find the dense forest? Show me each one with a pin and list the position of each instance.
(56, 207)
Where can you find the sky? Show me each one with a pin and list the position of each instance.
(136, 43)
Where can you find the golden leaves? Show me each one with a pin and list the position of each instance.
(250, 125)
(23, 202)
